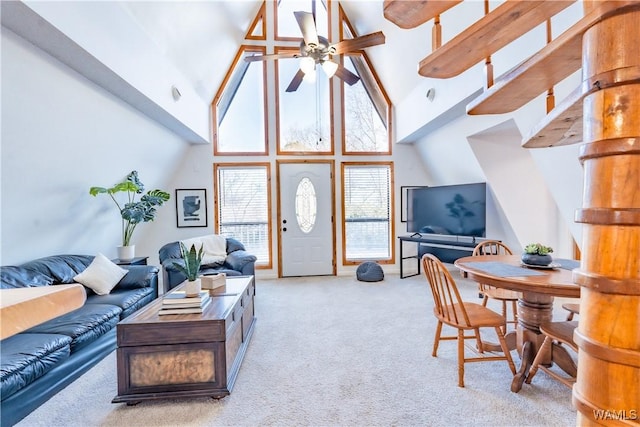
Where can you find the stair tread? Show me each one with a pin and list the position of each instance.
(410, 14)
(554, 62)
(562, 126)
(490, 33)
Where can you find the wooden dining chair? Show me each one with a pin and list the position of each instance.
(495, 247)
(557, 336)
(450, 310)
(572, 308)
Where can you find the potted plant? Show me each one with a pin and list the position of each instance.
(191, 268)
(537, 254)
(132, 210)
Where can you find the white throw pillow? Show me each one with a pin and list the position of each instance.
(101, 276)
(214, 248)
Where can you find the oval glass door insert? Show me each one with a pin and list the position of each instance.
(306, 205)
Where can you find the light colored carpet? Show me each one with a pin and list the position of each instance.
(332, 351)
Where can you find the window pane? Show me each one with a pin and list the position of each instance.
(243, 97)
(243, 208)
(304, 114)
(306, 205)
(365, 130)
(367, 212)
(287, 26)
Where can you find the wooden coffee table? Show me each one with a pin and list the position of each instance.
(186, 355)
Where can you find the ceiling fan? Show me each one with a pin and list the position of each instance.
(316, 50)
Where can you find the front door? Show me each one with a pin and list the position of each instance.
(306, 218)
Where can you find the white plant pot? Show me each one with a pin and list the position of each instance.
(192, 288)
(126, 253)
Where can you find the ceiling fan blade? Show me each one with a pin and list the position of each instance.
(253, 58)
(308, 27)
(295, 82)
(347, 76)
(358, 43)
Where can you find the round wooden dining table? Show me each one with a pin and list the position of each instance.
(538, 287)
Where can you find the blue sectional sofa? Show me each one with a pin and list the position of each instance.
(238, 262)
(44, 359)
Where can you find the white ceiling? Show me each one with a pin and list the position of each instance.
(202, 37)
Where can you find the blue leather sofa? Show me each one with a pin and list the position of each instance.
(42, 360)
(238, 262)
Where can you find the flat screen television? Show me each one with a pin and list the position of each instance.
(457, 210)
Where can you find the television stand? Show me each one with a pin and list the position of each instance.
(447, 248)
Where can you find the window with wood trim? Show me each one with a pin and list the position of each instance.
(287, 27)
(366, 107)
(304, 116)
(367, 203)
(239, 112)
(243, 204)
(258, 29)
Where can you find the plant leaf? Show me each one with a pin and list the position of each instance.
(133, 178)
(94, 191)
(123, 186)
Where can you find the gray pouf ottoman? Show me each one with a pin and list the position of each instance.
(369, 271)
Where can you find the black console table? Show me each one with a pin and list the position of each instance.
(447, 248)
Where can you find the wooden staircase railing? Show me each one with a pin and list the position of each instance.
(604, 114)
(546, 68)
(489, 34)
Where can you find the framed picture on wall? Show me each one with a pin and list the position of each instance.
(191, 207)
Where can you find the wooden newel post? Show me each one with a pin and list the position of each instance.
(607, 390)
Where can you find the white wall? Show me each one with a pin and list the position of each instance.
(62, 134)
(103, 42)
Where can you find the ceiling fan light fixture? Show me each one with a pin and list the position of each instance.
(307, 65)
(329, 67)
(310, 77)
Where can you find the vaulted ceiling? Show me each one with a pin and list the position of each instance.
(132, 48)
(201, 39)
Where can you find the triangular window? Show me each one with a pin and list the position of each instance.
(366, 105)
(241, 95)
(257, 30)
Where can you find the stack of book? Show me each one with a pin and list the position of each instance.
(177, 302)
